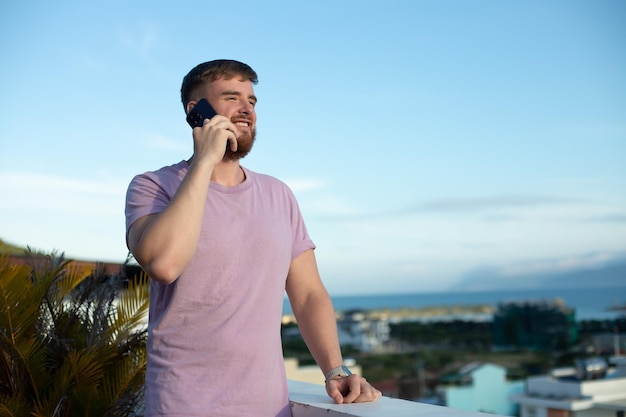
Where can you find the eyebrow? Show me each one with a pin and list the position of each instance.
(237, 93)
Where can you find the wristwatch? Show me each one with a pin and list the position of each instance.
(341, 371)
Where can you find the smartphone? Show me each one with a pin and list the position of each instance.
(202, 110)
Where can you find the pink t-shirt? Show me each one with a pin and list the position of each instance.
(214, 344)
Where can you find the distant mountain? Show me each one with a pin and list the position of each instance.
(611, 274)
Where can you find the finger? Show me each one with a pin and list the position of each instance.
(334, 393)
(232, 141)
(354, 386)
(221, 129)
(369, 393)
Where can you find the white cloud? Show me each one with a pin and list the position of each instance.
(493, 202)
(436, 247)
(82, 217)
(34, 181)
(141, 39)
(164, 143)
(566, 264)
(301, 185)
(44, 193)
(327, 205)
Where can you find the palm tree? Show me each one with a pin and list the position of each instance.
(72, 341)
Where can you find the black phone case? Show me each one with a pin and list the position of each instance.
(202, 110)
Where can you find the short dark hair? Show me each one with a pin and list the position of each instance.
(210, 71)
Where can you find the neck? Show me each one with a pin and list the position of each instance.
(228, 173)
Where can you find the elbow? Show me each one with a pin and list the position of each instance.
(162, 272)
(159, 268)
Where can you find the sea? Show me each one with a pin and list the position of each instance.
(588, 303)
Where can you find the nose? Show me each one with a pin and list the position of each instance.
(246, 107)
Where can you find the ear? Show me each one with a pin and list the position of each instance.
(190, 105)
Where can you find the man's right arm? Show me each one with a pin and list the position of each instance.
(165, 243)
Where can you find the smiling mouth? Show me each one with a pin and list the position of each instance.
(242, 124)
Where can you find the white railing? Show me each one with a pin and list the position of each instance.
(310, 400)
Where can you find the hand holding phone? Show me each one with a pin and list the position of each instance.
(202, 110)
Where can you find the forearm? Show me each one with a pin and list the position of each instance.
(165, 243)
(318, 325)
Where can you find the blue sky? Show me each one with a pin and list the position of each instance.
(425, 140)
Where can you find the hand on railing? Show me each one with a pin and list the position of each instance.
(351, 389)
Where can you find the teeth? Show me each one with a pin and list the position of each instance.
(242, 124)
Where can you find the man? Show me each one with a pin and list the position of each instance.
(222, 244)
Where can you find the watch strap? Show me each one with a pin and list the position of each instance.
(341, 371)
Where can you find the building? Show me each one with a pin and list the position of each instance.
(129, 269)
(589, 390)
(482, 387)
(365, 334)
(534, 325)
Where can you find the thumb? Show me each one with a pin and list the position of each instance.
(337, 397)
(335, 393)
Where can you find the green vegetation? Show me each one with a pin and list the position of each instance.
(437, 363)
(10, 249)
(431, 350)
(471, 335)
(72, 342)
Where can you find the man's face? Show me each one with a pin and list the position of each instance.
(235, 100)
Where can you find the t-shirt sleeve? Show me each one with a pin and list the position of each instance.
(301, 240)
(144, 197)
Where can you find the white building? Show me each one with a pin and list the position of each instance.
(365, 334)
(570, 393)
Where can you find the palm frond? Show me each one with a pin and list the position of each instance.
(23, 356)
(131, 311)
(72, 341)
(19, 300)
(15, 406)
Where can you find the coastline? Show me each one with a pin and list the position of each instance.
(479, 312)
(588, 303)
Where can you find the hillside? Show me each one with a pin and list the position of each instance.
(611, 274)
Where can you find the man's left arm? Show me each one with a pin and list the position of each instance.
(315, 315)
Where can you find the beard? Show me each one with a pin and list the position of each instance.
(244, 146)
